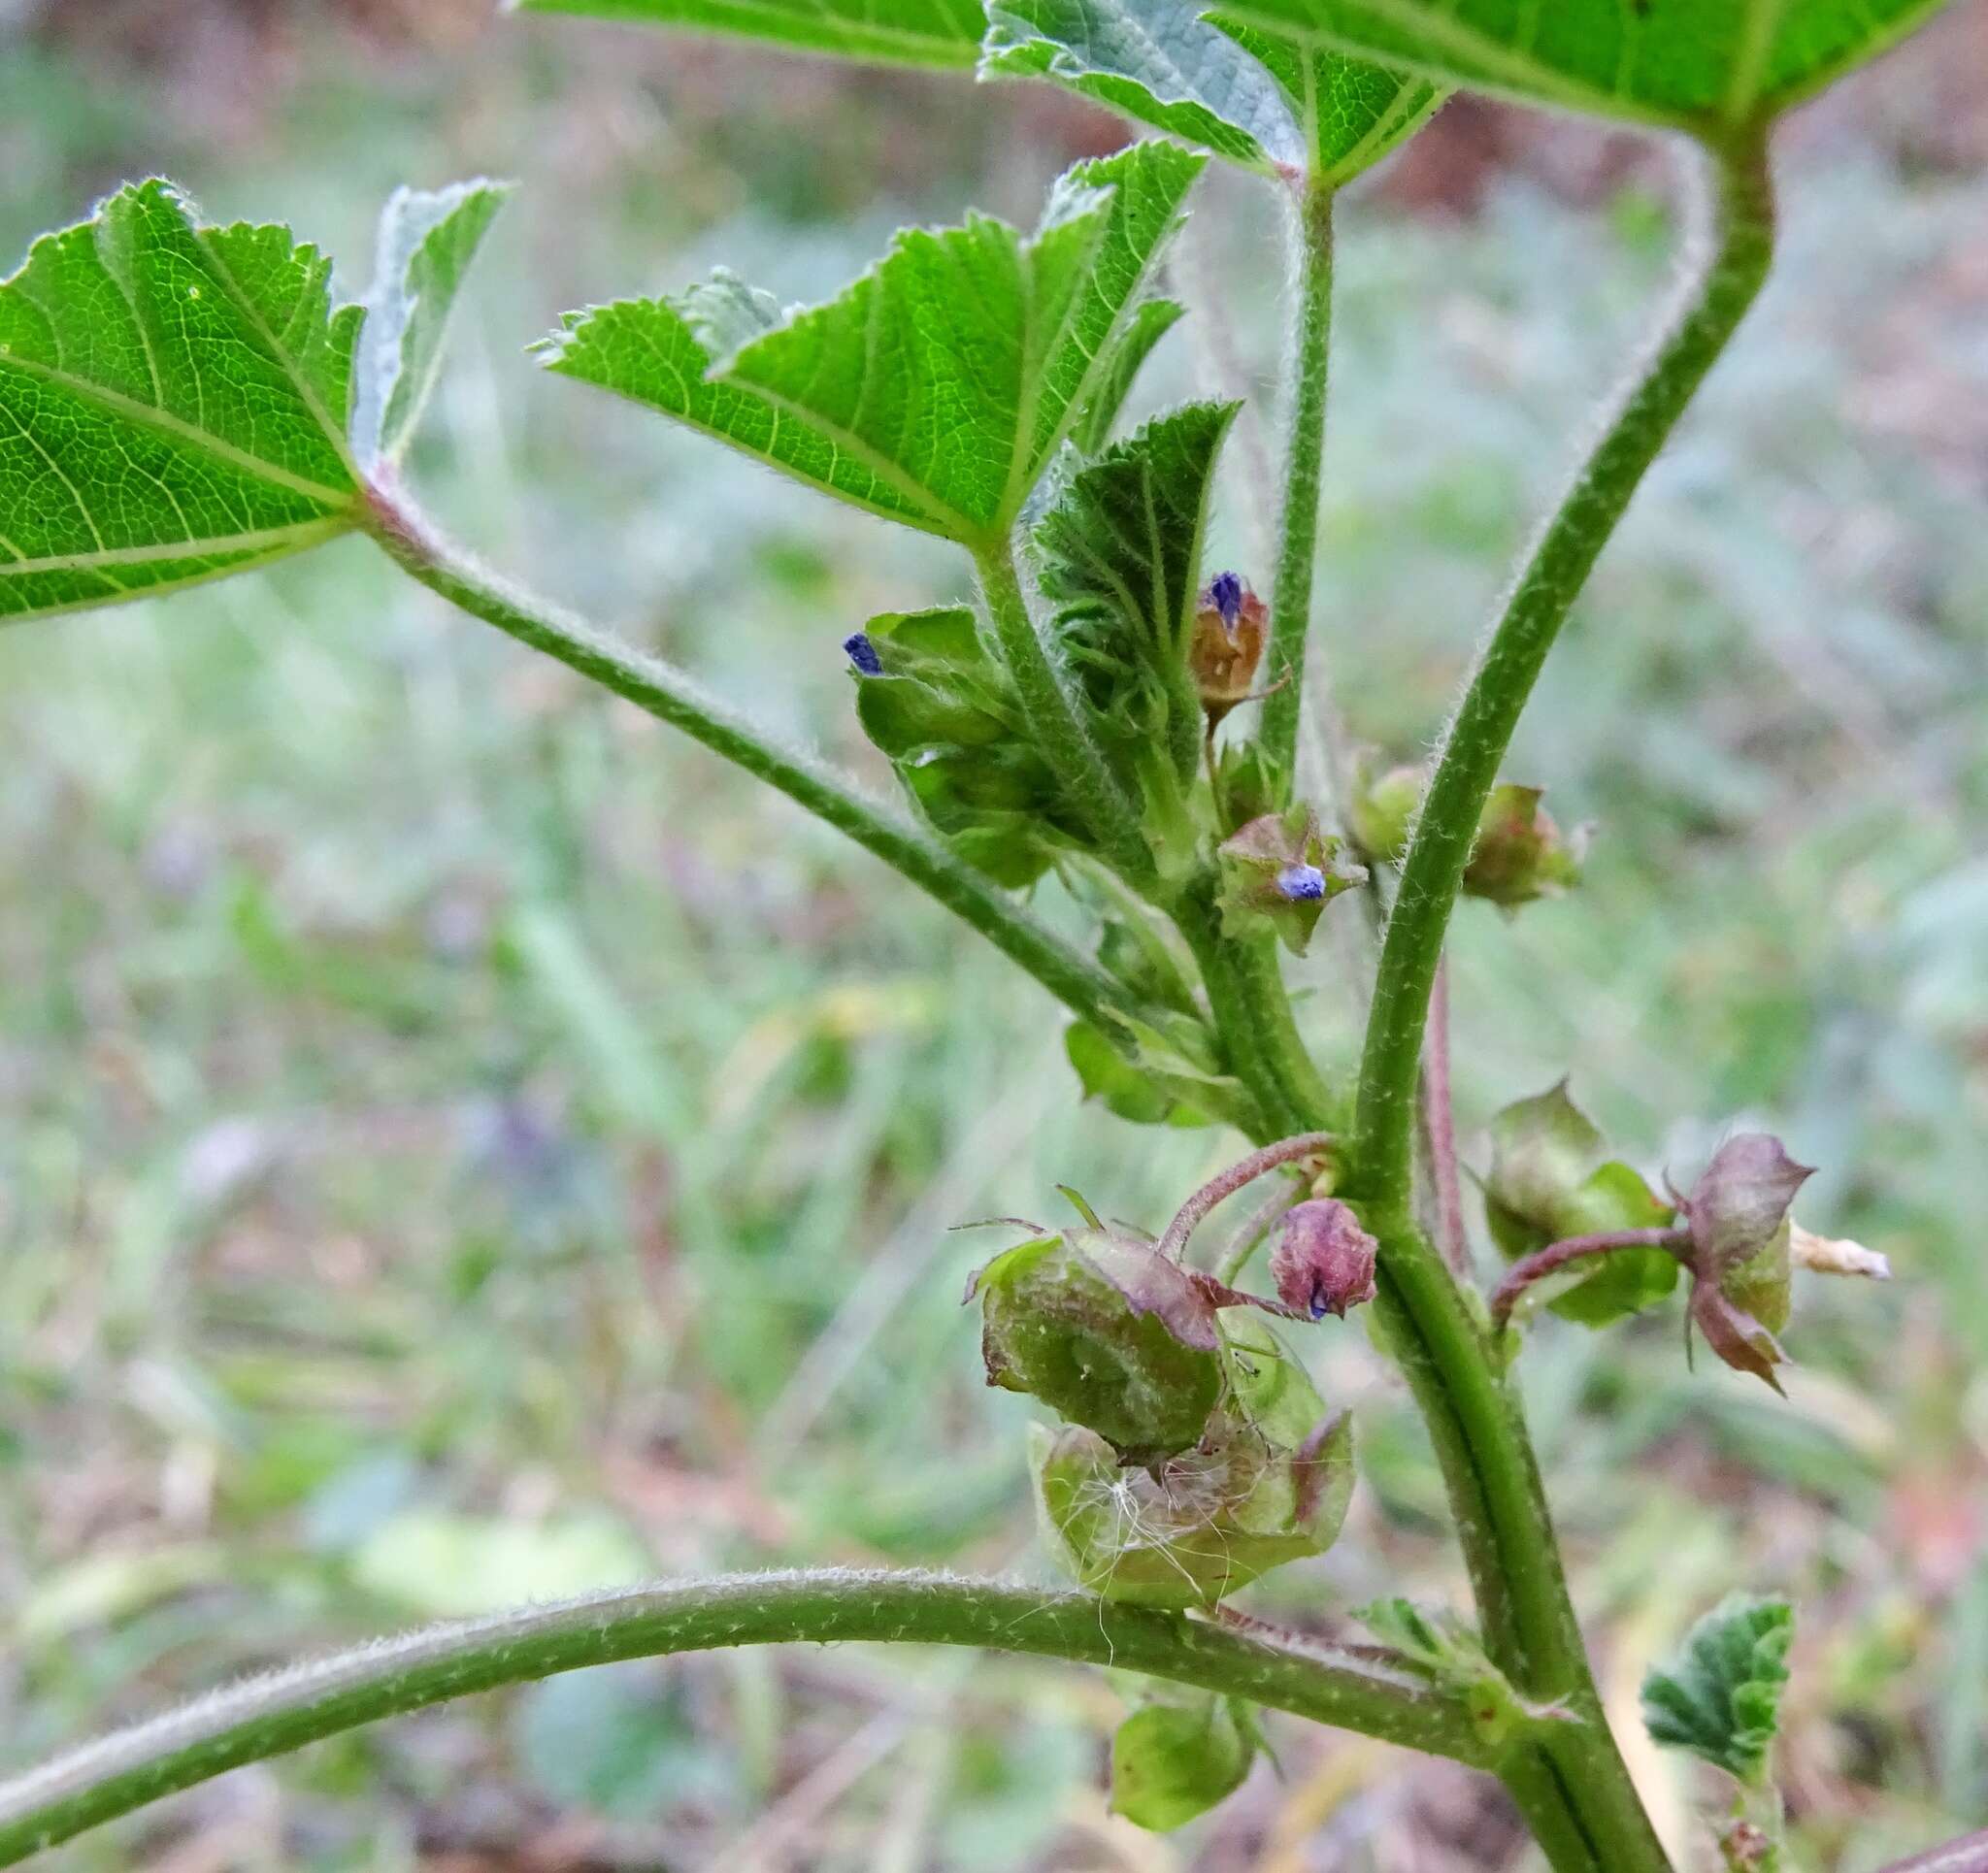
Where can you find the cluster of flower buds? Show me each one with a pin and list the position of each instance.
(1520, 854)
(1196, 1453)
(1230, 623)
(1278, 873)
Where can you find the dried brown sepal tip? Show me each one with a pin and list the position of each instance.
(1230, 623)
(1278, 873)
(1323, 1262)
(1741, 1251)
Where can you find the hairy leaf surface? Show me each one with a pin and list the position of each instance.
(1252, 96)
(172, 403)
(935, 389)
(1696, 63)
(898, 32)
(1720, 1696)
(176, 396)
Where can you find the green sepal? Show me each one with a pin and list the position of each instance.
(1551, 1179)
(1278, 873)
(1127, 1091)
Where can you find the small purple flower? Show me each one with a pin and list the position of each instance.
(863, 653)
(1301, 884)
(1225, 592)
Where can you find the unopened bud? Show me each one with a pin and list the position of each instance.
(1323, 1262)
(1278, 870)
(1381, 811)
(862, 653)
(1229, 627)
(1520, 853)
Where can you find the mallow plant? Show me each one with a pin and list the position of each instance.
(183, 399)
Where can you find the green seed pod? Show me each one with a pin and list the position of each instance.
(1174, 1760)
(1199, 1527)
(1741, 1251)
(1056, 1326)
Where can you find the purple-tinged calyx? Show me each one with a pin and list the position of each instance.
(863, 653)
(1323, 1262)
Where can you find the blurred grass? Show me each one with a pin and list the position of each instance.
(456, 1143)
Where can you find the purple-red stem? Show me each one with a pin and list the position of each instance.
(1557, 1255)
(1188, 1218)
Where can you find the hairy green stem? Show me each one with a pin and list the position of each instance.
(1716, 296)
(1056, 726)
(670, 695)
(1290, 605)
(1475, 1419)
(266, 1717)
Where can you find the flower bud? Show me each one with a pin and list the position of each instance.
(1198, 1526)
(1175, 1759)
(1139, 1368)
(1323, 1262)
(1520, 854)
(1226, 646)
(862, 654)
(1278, 871)
(1381, 811)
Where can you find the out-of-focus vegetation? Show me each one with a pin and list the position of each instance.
(458, 1144)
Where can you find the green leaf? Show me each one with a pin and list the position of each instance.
(1551, 1178)
(180, 401)
(1118, 559)
(1172, 1761)
(897, 32)
(1128, 1092)
(1157, 61)
(1150, 322)
(173, 400)
(1720, 1696)
(427, 241)
(1350, 114)
(936, 387)
(1704, 65)
(1253, 97)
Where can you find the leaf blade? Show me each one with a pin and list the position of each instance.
(172, 402)
(1692, 64)
(1719, 1695)
(942, 34)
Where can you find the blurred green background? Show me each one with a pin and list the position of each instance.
(458, 1144)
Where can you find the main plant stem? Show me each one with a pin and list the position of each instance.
(1290, 605)
(266, 1717)
(1570, 1780)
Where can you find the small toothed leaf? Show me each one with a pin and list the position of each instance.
(936, 389)
(942, 33)
(1720, 1695)
(1253, 97)
(427, 241)
(173, 403)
